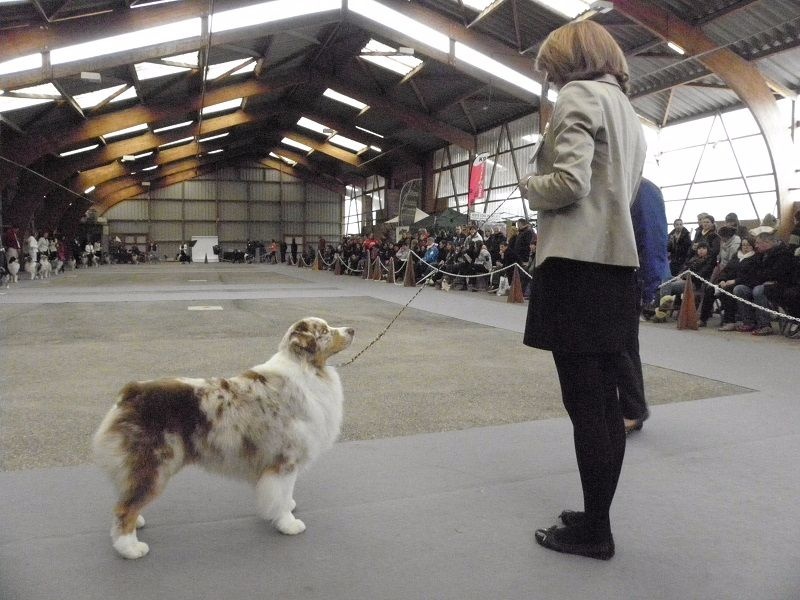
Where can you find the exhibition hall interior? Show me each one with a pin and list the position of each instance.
(189, 186)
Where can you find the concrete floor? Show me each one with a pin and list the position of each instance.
(705, 510)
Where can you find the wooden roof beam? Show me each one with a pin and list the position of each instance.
(742, 77)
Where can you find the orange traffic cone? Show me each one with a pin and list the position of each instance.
(410, 280)
(687, 317)
(515, 293)
(390, 274)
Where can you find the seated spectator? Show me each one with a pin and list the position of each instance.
(774, 268)
(430, 258)
(788, 297)
(702, 264)
(729, 246)
(482, 264)
(506, 259)
(740, 270)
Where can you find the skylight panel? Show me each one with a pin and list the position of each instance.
(568, 8)
(345, 142)
(92, 99)
(126, 95)
(375, 148)
(314, 126)
(477, 5)
(399, 63)
(178, 142)
(190, 59)
(127, 41)
(213, 137)
(22, 63)
(291, 142)
(497, 69)
(89, 190)
(266, 12)
(150, 168)
(79, 150)
(8, 103)
(148, 70)
(217, 151)
(174, 126)
(369, 132)
(215, 108)
(142, 155)
(218, 70)
(127, 130)
(334, 95)
(45, 89)
(399, 22)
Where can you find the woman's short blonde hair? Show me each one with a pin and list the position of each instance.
(579, 51)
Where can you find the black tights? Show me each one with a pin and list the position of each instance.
(589, 392)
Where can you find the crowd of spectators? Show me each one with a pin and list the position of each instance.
(463, 258)
(760, 272)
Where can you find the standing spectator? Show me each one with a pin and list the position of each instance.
(44, 244)
(649, 218)
(522, 242)
(732, 220)
(293, 248)
(708, 234)
(32, 246)
(589, 165)
(12, 242)
(679, 245)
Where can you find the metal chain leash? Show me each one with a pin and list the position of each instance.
(385, 329)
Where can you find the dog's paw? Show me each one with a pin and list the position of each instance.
(140, 522)
(290, 526)
(129, 547)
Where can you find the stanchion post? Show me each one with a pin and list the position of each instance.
(390, 274)
(410, 280)
(377, 273)
(515, 295)
(315, 264)
(337, 270)
(687, 316)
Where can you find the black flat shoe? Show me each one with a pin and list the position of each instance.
(551, 538)
(571, 518)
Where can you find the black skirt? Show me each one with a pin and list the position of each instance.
(582, 307)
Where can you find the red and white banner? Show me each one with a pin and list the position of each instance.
(477, 176)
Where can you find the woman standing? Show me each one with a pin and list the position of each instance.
(583, 304)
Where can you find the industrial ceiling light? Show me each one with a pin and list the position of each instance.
(79, 150)
(675, 48)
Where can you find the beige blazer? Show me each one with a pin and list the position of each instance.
(586, 175)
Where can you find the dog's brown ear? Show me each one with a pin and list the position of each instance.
(303, 342)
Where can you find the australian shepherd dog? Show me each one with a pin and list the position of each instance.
(263, 426)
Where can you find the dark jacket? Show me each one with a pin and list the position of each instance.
(775, 265)
(678, 247)
(522, 245)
